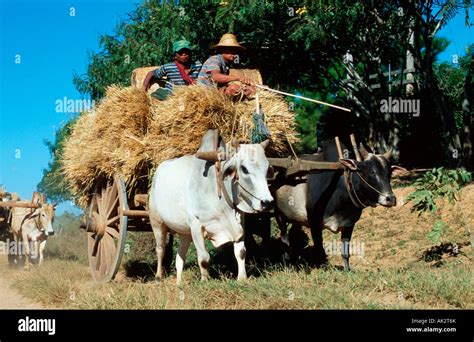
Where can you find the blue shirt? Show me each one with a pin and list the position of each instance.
(171, 71)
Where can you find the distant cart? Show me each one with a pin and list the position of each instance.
(7, 202)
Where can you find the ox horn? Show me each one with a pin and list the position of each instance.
(363, 152)
(54, 204)
(210, 156)
(387, 155)
(265, 143)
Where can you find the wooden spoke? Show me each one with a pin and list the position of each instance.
(112, 206)
(112, 221)
(98, 258)
(96, 245)
(113, 232)
(106, 241)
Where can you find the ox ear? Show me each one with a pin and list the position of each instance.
(351, 164)
(398, 171)
(230, 171)
(270, 173)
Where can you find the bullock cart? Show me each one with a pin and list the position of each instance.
(114, 210)
(116, 206)
(9, 201)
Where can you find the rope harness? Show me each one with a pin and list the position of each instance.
(348, 173)
(227, 198)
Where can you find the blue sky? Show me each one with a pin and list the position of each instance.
(49, 43)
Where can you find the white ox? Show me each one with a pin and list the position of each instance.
(32, 225)
(183, 199)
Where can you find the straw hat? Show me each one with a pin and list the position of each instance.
(228, 40)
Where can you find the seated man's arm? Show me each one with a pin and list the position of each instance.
(146, 81)
(157, 73)
(220, 78)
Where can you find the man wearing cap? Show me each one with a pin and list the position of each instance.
(182, 71)
(215, 71)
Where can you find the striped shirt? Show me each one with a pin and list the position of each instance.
(213, 63)
(171, 71)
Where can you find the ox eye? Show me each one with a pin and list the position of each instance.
(372, 171)
(244, 170)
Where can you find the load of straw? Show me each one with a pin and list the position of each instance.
(130, 132)
(106, 142)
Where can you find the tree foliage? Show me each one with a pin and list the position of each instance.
(333, 51)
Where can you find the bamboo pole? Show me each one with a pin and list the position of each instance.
(300, 97)
(17, 204)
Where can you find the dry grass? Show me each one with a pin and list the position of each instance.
(390, 275)
(129, 133)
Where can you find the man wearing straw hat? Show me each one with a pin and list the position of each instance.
(182, 71)
(215, 71)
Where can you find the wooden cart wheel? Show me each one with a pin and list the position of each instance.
(107, 229)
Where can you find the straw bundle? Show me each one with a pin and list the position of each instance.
(130, 132)
(107, 142)
(179, 123)
(139, 75)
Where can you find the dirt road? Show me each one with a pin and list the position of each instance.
(9, 298)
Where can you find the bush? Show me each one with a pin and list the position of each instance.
(437, 185)
(69, 241)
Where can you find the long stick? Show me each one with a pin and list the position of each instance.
(354, 147)
(338, 147)
(301, 97)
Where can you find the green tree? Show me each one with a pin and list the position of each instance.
(304, 46)
(53, 182)
(456, 83)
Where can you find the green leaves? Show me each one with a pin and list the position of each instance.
(439, 228)
(423, 200)
(439, 183)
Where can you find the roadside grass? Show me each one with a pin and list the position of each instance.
(61, 284)
(391, 273)
(52, 284)
(69, 241)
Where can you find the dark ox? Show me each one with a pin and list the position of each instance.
(334, 200)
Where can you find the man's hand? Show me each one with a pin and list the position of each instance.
(245, 80)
